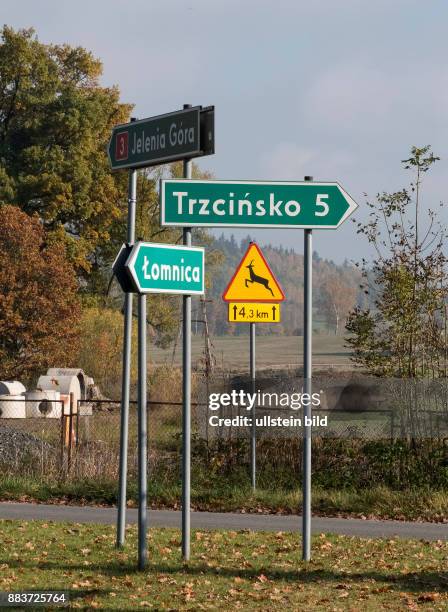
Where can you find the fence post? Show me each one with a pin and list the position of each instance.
(70, 434)
(62, 440)
(77, 424)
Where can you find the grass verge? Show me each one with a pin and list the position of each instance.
(375, 502)
(228, 569)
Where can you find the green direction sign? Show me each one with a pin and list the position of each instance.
(254, 204)
(165, 268)
(165, 138)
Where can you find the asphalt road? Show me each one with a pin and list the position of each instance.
(233, 521)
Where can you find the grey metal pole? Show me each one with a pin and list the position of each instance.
(307, 375)
(186, 397)
(253, 437)
(142, 434)
(126, 372)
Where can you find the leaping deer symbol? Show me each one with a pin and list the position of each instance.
(254, 278)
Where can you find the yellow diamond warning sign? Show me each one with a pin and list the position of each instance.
(253, 280)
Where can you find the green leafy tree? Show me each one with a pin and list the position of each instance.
(403, 333)
(55, 122)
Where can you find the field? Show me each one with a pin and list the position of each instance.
(241, 570)
(232, 352)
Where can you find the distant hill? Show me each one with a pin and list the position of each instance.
(335, 290)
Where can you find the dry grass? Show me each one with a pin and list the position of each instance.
(232, 352)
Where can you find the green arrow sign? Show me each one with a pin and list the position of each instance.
(165, 138)
(254, 204)
(165, 268)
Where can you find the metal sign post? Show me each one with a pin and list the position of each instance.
(301, 205)
(142, 433)
(162, 268)
(126, 372)
(253, 295)
(183, 134)
(253, 438)
(307, 374)
(186, 397)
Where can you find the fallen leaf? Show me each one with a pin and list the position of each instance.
(428, 597)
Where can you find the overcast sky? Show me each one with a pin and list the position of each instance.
(339, 89)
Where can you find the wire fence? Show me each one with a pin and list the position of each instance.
(82, 439)
(56, 440)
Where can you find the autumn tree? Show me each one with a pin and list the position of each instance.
(404, 332)
(39, 309)
(101, 333)
(55, 122)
